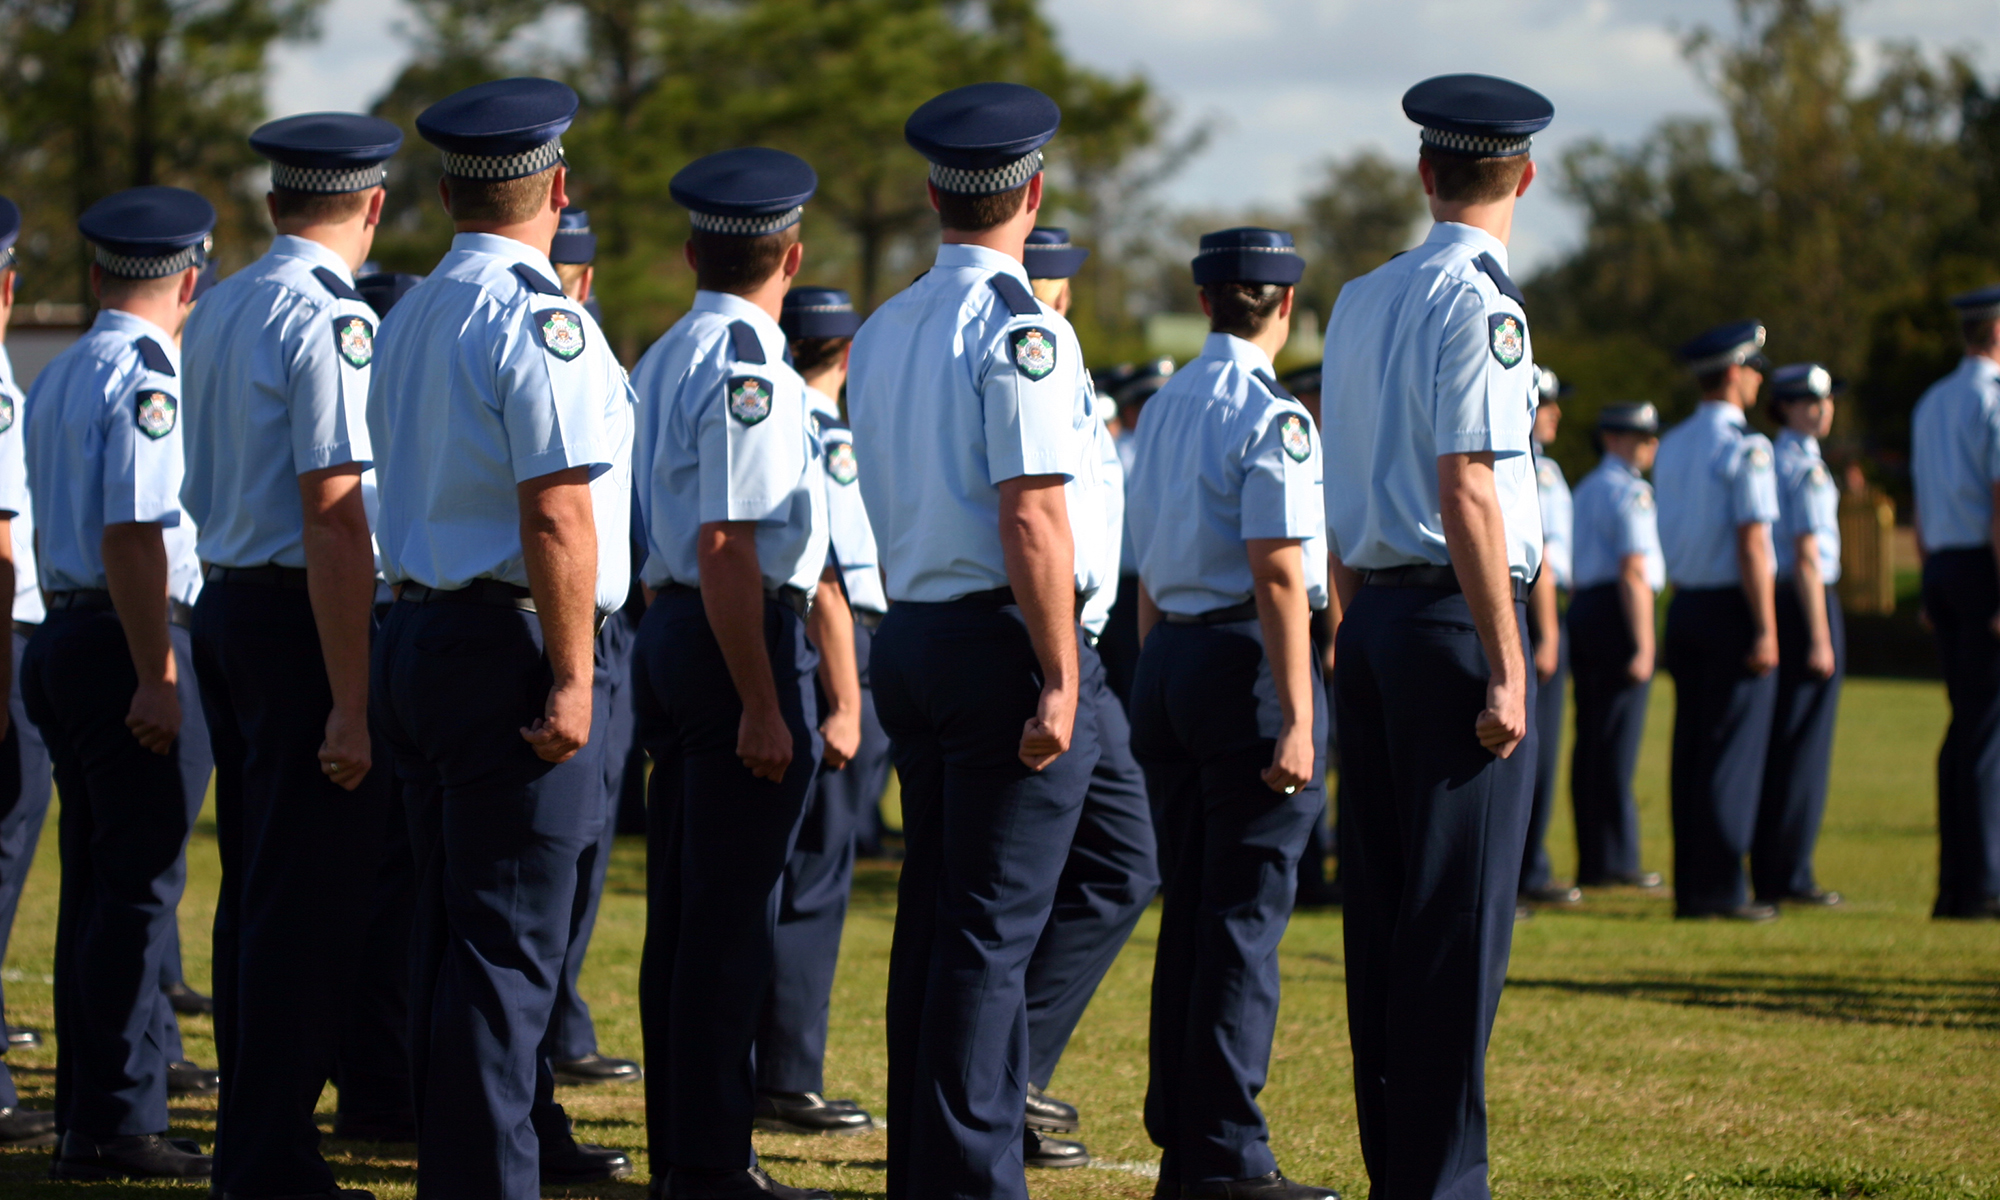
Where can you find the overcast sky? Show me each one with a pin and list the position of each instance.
(1292, 82)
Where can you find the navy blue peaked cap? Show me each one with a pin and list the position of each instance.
(10, 223)
(574, 242)
(749, 191)
(1734, 344)
(327, 152)
(1978, 305)
(1804, 381)
(1247, 255)
(1628, 418)
(1480, 116)
(1049, 255)
(985, 138)
(381, 289)
(507, 129)
(149, 232)
(818, 312)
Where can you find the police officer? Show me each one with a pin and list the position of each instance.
(1955, 464)
(1428, 406)
(1316, 890)
(1812, 644)
(502, 429)
(108, 681)
(1718, 499)
(1129, 387)
(733, 491)
(1052, 261)
(1617, 574)
(1228, 716)
(277, 362)
(1546, 643)
(819, 325)
(969, 396)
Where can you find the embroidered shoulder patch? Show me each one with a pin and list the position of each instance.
(1642, 500)
(562, 332)
(1546, 474)
(1815, 478)
(1759, 457)
(1293, 436)
(1034, 351)
(356, 339)
(1508, 337)
(749, 398)
(6, 412)
(840, 462)
(156, 414)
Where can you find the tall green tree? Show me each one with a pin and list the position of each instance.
(1364, 211)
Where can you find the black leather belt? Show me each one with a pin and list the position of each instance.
(868, 618)
(1246, 611)
(797, 599)
(25, 628)
(490, 592)
(269, 575)
(99, 600)
(1002, 596)
(1426, 575)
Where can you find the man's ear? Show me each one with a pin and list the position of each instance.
(189, 278)
(271, 207)
(687, 253)
(1527, 177)
(795, 258)
(1207, 309)
(930, 189)
(96, 282)
(559, 189)
(1428, 176)
(376, 203)
(1034, 203)
(1285, 305)
(444, 192)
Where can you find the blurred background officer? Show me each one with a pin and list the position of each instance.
(1129, 388)
(819, 325)
(1955, 464)
(1228, 716)
(1432, 514)
(1547, 644)
(1316, 889)
(108, 679)
(968, 394)
(1051, 262)
(502, 430)
(1812, 643)
(25, 783)
(1718, 498)
(1617, 572)
(277, 364)
(733, 491)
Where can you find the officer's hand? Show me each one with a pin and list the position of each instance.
(1640, 669)
(1548, 656)
(1046, 735)
(1763, 658)
(346, 754)
(1291, 761)
(764, 743)
(564, 728)
(1819, 660)
(842, 734)
(1505, 721)
(155, 716)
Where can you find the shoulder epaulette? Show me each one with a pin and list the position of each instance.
(833, 424)
(333, 283)
(744, 343)
(536, 281)
(1491, 266)
(156, 359)
(1277, 389)
(1015, 295)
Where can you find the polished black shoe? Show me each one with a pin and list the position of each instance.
(1052, 1154)
(582, 1162)
(685, 1183)
(21, 1128)
(1323, 895)
(1979, 910)
(1167, 1189)
(396, 1130)
(1552, 894)
(20, 1037)
(809, 1112)
(595, 1068)
(1265, 1187)
(1637, 879)
(1753, 913)
(188, 1002)
(1049, 1114)
(1817, 898)
(146, 1156)
(187, 1079)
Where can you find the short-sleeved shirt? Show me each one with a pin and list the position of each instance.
(1955, 456)
(725, 435)
(1223, 458)
(277, 357)
(1713, 476)
(847, 516)
(104, 448)
(14, 500)
(487, 376)
(1427, 355)
(1615, 518)
(1099, 559)
(1808, 502)
(956, 385)
(1558, 518)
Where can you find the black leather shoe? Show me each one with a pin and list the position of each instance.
(1052, 1154)
(1167, 1189)
(685, 1183)
(1552, 894)
(1325, 895)
(809, 1112)
(1981, 910)
(581, 1162)
(188, 1002)
(1265, 1187)
(1753, 913)
(595, 1068)
(396, 1130)
(20, 1037)
(1049, 1114)
(146, 1156)
(1638, 879)
(1523, 913)
(21, 1128)
(187, 1079)
(1817, 898)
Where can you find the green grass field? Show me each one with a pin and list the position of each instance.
(1837, 1054)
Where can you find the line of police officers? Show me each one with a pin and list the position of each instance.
(401, 557)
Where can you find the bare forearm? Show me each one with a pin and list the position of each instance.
(1041, 567)
(1149, 613)
(135, 571)
(1542, 606)
(1636, 596)
(1285, 615)
(732, 594)
(1753, 560)
(831, 628)
(559, 549)
(1811, 587)
(340, 581)
(1345, 583)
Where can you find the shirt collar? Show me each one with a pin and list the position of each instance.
(117, 320)
(1454, 233)
(510, 249)
(958, 254)
(1979, 364)
(1615, 463)
(1723, 411)
(1806, 443)
(822, 403)
(1227, 347)
(287, 245)
(736, 308)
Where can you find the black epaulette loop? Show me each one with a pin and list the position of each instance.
(1015, 295)
(156, 359)
(1491, 266)
(536, 281)
(336, 285)
(1277, 389)
(744, 343)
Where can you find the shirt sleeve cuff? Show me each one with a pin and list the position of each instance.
(557, 458)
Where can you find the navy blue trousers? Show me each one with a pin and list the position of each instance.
(1722, 727)
(374, 1067)
(25, 787)
(1112, 875)
(126, 816)
(496, 834)
(1961, 596)
(716, 852)
(987, 840)
(1610, 725)
(1434, 828)
(1800, 756)
(1548, 717)
(1204, 719)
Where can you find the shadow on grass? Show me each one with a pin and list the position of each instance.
(1972, 1003)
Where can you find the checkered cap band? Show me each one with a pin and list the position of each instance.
(1982, 312)
(328, 180)
(504, 166)
(1291, 250)
(989, 182)
(573, 231)
(806, 308)
(1728, 358)
(1477, 144)
(746, 226)
(127, 266)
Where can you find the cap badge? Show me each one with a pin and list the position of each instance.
(156, 414)
(1035, 352)
(356, 339)
(562, 333)
(1510, 338)
(1293, 436)
(840, 463)
(749, 399)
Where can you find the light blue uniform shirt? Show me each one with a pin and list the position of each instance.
(953, 395)
(847, 516)
(481, 383)
(277, 386)
(1955, 456)
(1808, 502)
(1222, 459)
(724, 437)
(1099, 560)
(14, 499)
(1128, 558)
(1615, 517)
(1558, 518)
(104, 448)
(1713, 476)
(1426, 357)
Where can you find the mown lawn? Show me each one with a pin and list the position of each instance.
(1837, 1054)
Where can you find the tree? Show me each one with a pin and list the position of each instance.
(1364, 211)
